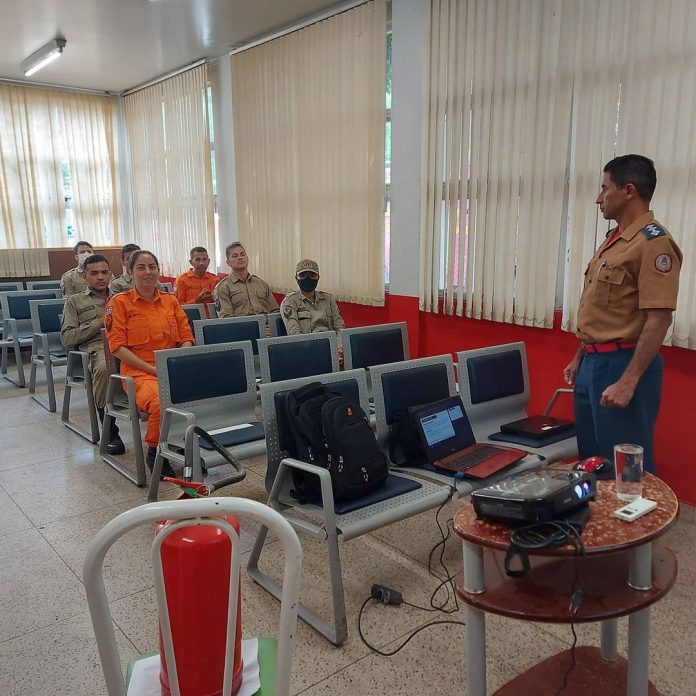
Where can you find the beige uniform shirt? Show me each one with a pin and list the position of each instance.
(636, 272)
(72, 282)
(302, 316)
(83, 319)
(121, 284)
(236, 298)
(124, 283)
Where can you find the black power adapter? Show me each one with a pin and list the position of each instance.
(385, 594)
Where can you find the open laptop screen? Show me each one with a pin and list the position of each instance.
(444, 427)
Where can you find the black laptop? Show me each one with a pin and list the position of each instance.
(537, 427)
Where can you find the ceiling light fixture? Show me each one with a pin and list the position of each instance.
(41, 58)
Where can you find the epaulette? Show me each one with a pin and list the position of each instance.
(653, 230)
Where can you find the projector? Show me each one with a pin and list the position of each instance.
(534, 496)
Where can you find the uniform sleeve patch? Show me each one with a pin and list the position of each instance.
(287, 310)
(663, 263)
(108, 318)
(653, 230)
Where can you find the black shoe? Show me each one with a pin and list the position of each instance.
(166, 466)
(116, 446)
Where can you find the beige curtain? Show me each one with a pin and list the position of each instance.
(58, 163)
(497, 118)
(167, 129)
(309, 120)
(635, 92)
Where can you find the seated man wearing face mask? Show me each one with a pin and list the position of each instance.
(310, 310)
(73, 281)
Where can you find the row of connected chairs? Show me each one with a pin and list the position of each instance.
(16, 316)
(31, 285)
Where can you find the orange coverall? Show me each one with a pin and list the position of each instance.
(188, 285)
(144, 327)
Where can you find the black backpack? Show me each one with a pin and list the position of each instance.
(405, 447)
(331, 431)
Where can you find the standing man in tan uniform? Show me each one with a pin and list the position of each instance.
(242, 294)
(73, 281)
(310, 310)
(630, 292)
(83, 319)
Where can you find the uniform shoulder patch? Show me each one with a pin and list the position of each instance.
(653, 230)
(287, 310)
(663, 263)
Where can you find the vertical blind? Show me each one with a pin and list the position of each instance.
(497, 116)
(58, 168)
(167, 126)
(635, 92)
(309, 120)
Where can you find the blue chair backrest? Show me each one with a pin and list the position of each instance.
(412, 387)
(206, 375)
(229, 333)
(495, 376)
(49, 317)
(43, 284)
(19, 304)
(10, 287)
(301, 359)
(193, 314)
(376, 348)
(276, 320)
(348, 388)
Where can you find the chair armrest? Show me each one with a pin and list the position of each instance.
(129, 389)
(172, 414)
(327, 499)
(555, 396)
(41, 338)
(9, 329)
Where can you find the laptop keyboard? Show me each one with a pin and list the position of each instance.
(462, 462)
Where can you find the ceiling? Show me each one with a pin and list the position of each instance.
(113, 45)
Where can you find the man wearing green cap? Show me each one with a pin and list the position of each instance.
(309, 310)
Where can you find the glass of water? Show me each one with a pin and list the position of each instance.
(628, 462)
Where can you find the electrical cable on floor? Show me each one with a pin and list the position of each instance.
(386, 595)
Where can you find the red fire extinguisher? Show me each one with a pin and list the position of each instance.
(196, 568)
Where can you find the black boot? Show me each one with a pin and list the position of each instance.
(115, 446)
(166, 466)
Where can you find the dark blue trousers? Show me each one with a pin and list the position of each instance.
(599, 428)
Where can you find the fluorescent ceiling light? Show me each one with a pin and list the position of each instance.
(45, 55)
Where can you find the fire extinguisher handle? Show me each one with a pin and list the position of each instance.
(194, 431)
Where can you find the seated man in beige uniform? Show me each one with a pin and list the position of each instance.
(242, 294)
(73, 281)
(310, 310)
(83, 319)
(125, 280)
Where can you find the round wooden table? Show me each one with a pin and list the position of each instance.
(621, 574)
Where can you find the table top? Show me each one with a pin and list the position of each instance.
(603, 533)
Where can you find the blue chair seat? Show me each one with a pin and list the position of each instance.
(393, 486)
(534, 443)
(238, 436)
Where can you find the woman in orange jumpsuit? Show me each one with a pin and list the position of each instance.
(139, 322)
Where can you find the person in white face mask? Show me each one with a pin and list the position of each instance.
(73, 281)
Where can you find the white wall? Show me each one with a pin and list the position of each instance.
(409, 45)
(220, 76)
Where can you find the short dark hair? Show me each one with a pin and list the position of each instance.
(127, 248)
(94, 258)
(82, 243)
(137, 254)
(198, 250)
(633, 169)
(229, 248)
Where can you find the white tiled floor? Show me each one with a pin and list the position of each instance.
(55, 494)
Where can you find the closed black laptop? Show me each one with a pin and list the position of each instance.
(537, 427)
